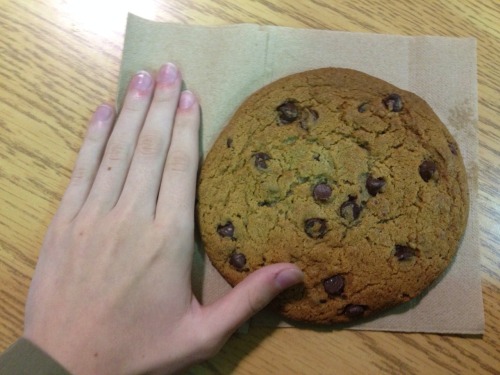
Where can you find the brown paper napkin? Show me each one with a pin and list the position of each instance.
(224, 65)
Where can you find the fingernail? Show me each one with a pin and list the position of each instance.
(103, 113)
(187, 99)
(168, 73)
(142, 81)
(288, 277)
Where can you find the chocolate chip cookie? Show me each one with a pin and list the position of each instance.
(354, 180)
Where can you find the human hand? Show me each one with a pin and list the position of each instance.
(112, 288)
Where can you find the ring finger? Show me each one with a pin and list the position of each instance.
(119, 150)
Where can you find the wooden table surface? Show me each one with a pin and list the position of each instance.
(60, 59)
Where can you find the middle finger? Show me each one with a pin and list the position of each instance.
(144, 177)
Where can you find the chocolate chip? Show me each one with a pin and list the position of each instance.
(350, 210)
(229, 142)
(238, 261)
(354, 311)
(308, 117)
(226, 230)
(404, 252)
(315, 227)
(393, 103)
(314, 114)
(288, 112)
(322, 192)
(363, 107)
(303, 121)
(405, 297)
(265, 203)
(334, 286)
(427, 169)
(260, 160)
(373, 185)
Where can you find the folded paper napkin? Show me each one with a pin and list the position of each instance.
(223, 65)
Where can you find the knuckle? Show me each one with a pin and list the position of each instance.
(149, 145)
(210, 350)
(135, 104)
(123, 224)
(87, 218)
(256, 301)
(93, 137)
(175, 228)
(165, 94)
(56, 231)
(117, 151)
(80, 175)
(178, 161)
(208, 344)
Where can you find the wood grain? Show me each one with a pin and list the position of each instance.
(60, 59)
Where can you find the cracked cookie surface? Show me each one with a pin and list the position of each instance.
(354, 180)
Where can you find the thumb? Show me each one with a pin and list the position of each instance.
(250, 296)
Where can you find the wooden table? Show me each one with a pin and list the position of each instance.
(60, 59)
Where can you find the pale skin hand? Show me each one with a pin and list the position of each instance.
(112, 291)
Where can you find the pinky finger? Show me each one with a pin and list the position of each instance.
(87, 162)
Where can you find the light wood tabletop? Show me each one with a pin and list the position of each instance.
(60, 59)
